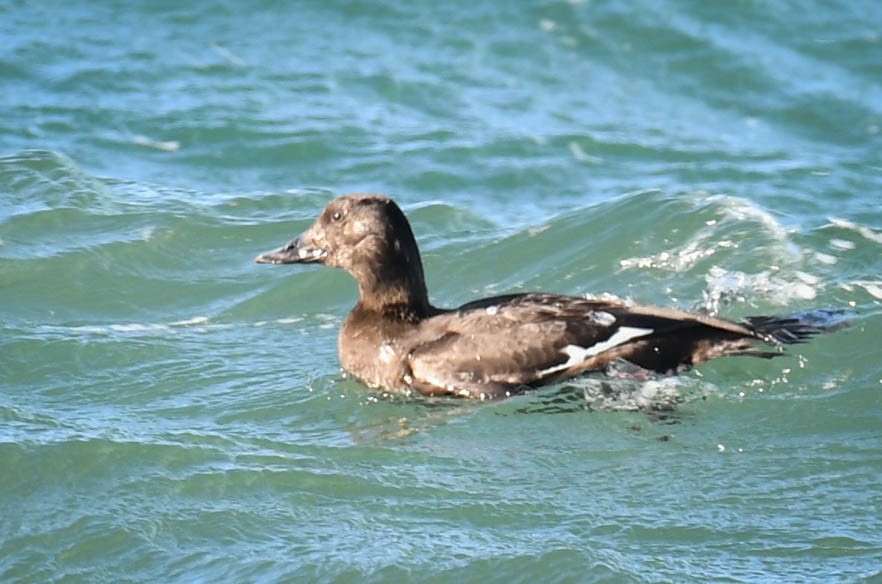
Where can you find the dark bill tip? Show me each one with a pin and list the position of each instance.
(296, 252)
(272, 257)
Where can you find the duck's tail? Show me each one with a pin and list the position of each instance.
(782, 331)
(792, 330)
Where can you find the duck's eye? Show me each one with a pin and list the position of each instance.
(336, 216)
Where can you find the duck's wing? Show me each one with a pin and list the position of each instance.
(499, 346)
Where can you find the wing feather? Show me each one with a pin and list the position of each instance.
(503, 343)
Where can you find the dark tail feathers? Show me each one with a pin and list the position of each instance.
(795, 329)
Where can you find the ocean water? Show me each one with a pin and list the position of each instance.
(172, 412)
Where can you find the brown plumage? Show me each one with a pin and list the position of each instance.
(396, 340)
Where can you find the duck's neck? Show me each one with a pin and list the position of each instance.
(395, 290)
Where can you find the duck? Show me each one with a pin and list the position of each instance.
(396, 340)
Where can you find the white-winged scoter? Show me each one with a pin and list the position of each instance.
(396, 340)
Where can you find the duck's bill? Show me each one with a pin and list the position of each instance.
(295, 252)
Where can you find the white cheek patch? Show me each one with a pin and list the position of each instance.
(579, 354)
(361, 227)
(387, 353)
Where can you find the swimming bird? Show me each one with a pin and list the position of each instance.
(395, 339)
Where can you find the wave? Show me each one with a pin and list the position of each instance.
(133, 240)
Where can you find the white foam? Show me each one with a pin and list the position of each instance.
(676, 260)
(743, 209)
(807, 278)
(609, 297)
(581, 155)
(547, 25)
(702, 244)
(162, 145)
(842, 244)
(137, 327)
(873, 288)
(191, 321)
(133, 328)
(724, 285)
(863, 231)
(825, 258)
(228, 55)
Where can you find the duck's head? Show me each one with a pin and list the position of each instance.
(368, 236)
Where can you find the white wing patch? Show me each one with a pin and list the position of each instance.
(602, 317)
(579, 354)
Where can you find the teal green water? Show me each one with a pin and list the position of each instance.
(172, 412)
